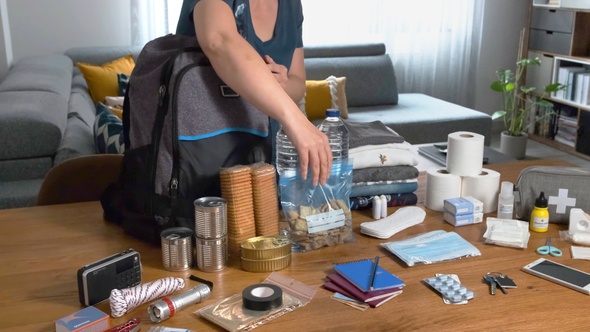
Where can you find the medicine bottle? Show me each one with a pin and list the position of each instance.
(540, 216)
(506, 201)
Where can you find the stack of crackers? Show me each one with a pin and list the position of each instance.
(264, 192)
(250, 192)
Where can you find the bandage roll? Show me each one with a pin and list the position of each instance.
(465, 153)
(440, 185)
(485, 187)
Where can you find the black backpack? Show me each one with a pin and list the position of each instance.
(181, 125)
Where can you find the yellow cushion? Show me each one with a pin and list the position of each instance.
(323, 94)
(102, 80)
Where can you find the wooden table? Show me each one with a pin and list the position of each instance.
(43, 247)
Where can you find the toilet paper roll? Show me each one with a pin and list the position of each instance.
(440, 185)
(465, 153)
(485, 187)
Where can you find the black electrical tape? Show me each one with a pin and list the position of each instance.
(262, 297)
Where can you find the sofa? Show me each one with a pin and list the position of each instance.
(46, 117)
(47, 114)
(371, 95)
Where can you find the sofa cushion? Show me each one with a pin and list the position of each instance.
(52, 73)
(78, 140)
(24, 169)
(370, 80)
(14, 194)
(33, 123)
(423, 119)
(100, 55)
(102, 79)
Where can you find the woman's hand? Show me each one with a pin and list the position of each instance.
(279, 71)
(313, 149)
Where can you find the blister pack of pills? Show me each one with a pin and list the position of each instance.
(449, 288)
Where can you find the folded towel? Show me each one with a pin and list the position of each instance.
(382, 189)
(372, 174)
(370, 133)
(383, 157)
(366, 202)
(371, 147)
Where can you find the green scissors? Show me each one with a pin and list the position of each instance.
(549, 249)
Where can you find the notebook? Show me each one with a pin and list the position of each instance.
(329, 285)
(359, 274)
(358, 294)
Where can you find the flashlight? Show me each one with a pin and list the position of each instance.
(166, 307)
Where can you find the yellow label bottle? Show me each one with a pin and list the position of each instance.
(540, 216)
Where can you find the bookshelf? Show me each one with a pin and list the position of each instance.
(559, 34)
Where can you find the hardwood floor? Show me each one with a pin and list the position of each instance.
(537, 150)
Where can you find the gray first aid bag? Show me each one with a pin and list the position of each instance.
(564, 187)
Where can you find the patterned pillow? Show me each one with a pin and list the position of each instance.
(123, 81)
(108, 131)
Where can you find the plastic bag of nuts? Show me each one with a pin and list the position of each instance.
(318, 216)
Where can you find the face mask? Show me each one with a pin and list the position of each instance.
(432, 247)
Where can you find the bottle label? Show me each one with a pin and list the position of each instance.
(506, 208)
(540, 223)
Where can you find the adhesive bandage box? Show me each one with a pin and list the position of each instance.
(85, 320)
(463, 205)
(463, 219)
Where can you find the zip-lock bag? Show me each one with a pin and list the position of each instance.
(182, 124)
(564, 188)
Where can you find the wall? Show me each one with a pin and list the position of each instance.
(53, 26)
(503, 20)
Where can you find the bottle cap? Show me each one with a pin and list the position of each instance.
(332, 112)
(541, 201)
(507, 189)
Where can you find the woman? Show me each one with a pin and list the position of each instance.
(255, 46)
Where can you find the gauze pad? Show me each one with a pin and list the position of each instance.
(402, 218)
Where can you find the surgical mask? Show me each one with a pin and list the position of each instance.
(432, 247)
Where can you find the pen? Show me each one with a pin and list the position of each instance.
(374, 273)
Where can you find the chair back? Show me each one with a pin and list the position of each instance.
(79, 179)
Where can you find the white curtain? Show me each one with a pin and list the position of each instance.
(151, 19)
(434, 44)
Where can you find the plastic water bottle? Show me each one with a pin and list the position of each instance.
(287, 156)
(337, 133)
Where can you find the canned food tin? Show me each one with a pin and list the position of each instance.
(211, 254)
(177, 248)
(210, 217)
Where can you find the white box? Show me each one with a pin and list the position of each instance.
(463, 205)
(464, 219)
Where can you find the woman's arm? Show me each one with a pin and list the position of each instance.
(293, 80)
(239, 65)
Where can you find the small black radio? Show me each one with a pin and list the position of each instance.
(96, 280)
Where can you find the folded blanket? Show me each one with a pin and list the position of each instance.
(379, 157)
(366, 202)
(370, 133)
(372, 174)
(383, 189)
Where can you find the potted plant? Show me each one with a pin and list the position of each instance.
(518, 101)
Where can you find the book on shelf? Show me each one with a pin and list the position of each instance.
(360, 274)
(565, 140)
